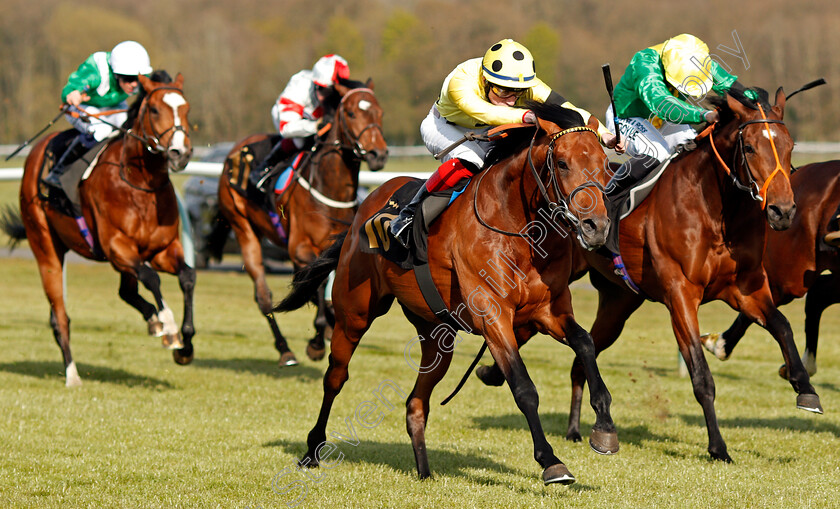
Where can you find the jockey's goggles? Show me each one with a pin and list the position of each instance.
(128, 78)
(505, 92)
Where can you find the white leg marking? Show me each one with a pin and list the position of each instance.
(810, 362)
(167, 317)
(72, 376)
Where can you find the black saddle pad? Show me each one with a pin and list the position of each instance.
(376, 232)
(240, 166)
(622, 204)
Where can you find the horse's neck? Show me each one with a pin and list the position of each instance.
(143, 168)
(335, 174)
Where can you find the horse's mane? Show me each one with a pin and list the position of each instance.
(726, 114)
(158, 76)
(565, 118)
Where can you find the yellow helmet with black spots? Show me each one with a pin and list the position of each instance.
(687, 65)
(509, 64)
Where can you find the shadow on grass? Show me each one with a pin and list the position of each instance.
(400, 457)
(49, 370)
(262, 367)
(804, 421)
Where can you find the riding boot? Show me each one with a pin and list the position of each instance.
(401, 226)
(261, 169)
(832, 238)
(630, 173)
(75, 150)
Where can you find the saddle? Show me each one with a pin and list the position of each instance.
(243, 173)
(376, 232)
(66, 200)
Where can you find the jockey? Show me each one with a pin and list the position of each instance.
(477, 95)
(102, 83)
(298, 109)
(658, 97)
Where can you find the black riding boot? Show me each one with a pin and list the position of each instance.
(401, 226)
(629, 173)
(75, 150)
(264, 166)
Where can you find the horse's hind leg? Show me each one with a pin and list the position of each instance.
(170, 336)
(324, 320)
(129, 293)
(435, 359)
(723, 344)
(50, 265)
(824, 292)
(171, 260)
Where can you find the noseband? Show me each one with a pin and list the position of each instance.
(757, 193)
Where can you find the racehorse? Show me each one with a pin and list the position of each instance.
(496, 264)
(319, 203)
(130, 205)
(796, 261)
(695, 239)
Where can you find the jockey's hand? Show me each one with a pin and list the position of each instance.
(529, 117)
(712, 116)
(75, 98)
(612, 141)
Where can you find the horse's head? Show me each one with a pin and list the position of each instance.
(162, 121)
(761, 148)
(576, 161)
(359, 119)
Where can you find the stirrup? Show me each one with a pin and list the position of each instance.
(832, 238)
(403, 233)
(53, 180)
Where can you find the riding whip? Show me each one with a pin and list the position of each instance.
(608, 81)
(27, 142)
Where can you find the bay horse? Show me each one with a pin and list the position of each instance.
(696, 238)
(798, 262)
(495, 264)
(129, 203)
(319, 203)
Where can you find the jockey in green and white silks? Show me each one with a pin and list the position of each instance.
(658, 97)
(477, 95)
(103, 82)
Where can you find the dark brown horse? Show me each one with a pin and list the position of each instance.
(797, 261)
(319, 203)
(699, 237)
(500, 262)
(130, 205)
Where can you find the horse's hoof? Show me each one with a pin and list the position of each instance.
(308, 461)
(314, 352)
(172, 341)
(809, 402)
(155, 326)
(288, 359)
(724, 456)
(180, 358)
(557, 474)
(604, 442)
(490, 375)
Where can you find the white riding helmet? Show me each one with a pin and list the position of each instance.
(328, 69)
(130, 59)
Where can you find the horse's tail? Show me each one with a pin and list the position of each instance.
(12, 224)
(214, 242)
(308, 279)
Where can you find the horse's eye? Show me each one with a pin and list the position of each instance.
(562, 165)
(749, 149)
(351, 114)
(153, 110)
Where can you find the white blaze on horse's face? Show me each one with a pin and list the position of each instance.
(764, 133)
(364, 105)
(175, 100)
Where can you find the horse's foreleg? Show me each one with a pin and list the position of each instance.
(130, 294)
(615, 305)
(604, 438)
(502, 344)
(186, 279)
(779, 327)
(683, 310)
(169, 333)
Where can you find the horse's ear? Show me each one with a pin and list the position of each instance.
(341, 89)
(369, 83)
(179, 81)
(779, 107)
(735, 105)
(146, 83)
(545, 125)
(593, 123)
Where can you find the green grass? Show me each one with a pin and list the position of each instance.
(144, 432)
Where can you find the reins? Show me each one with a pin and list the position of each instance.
(562, 202)
(757, 194)
(354, 145)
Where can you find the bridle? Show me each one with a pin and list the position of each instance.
(354, 145)
(561, 204)
(152, 143)
(751, 186)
